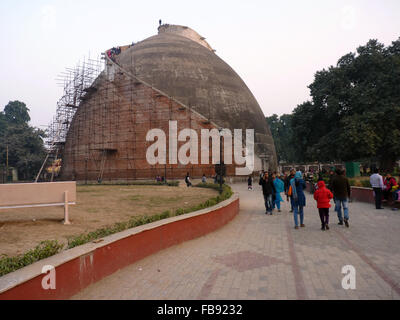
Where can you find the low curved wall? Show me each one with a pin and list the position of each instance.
(357, 193)
(362, 194)
(79, 267)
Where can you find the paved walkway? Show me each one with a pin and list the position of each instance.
(257, 256)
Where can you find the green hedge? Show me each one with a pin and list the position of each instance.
(360, 183)
(44, 250)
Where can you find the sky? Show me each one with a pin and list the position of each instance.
(276, 47)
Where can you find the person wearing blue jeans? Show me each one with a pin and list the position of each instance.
(298, 210)
(339, 204)
(269, 192)
(340, 187)
(298, 199)
(269, 206)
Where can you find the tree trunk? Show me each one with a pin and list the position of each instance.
(387, 163)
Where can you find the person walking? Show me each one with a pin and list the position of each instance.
(340, 188)
(377, 185)
(287, 186)
(323, 197)
(331, 177)
(279, 187)
(250, 183)
(297, 198)
(269, 191)
(187, 180)
(309, 177)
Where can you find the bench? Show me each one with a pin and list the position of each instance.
(44, 194)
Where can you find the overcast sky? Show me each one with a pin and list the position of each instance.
(275, 46)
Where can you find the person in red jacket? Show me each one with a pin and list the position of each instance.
(323, 196)
(388, 183)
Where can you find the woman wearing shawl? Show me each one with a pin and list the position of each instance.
(298, 198)
(279, 187)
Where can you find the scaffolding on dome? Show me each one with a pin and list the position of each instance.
(99, 130)
(78, 84)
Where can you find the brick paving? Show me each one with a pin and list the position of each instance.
(257, 256)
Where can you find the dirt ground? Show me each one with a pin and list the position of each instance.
(97, 206)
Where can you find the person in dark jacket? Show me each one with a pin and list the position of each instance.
(250, 183)
(287, 185)
(331, 176)
(187, 180)
(269, 191)
(340, 187)
(298, 199)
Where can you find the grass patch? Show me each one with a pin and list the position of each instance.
(163, 200)
(91, 189)
(49, 248)
(141, 220)
(171, 183)
(44, 250)
(92, 210)
(134, 198)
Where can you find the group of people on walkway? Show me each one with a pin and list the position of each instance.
(385, 189)
(293, 185)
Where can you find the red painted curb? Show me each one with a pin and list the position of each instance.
(80, 272)
(362, 194)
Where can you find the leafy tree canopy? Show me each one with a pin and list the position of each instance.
(281, 129)
(25, 143)
(16, 112)
(355, 108)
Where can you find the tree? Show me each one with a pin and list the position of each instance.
(355, 108)
(25, 143)
(16, 112)
(281, 129)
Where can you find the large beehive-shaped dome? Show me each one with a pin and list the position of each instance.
(181, 63)
(173, 76)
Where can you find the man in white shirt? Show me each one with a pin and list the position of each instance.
(376, 181)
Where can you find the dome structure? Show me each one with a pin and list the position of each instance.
(174, 69)
(179, 62)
